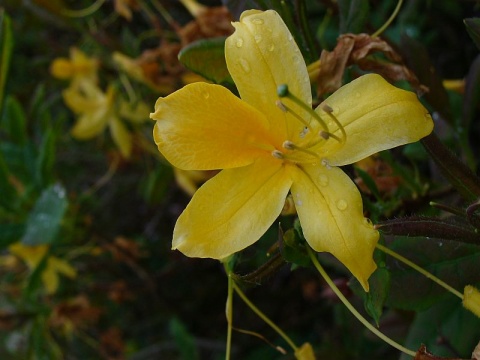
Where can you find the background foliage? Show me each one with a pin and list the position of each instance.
(86, 270)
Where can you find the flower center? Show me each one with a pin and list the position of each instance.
(314, 134)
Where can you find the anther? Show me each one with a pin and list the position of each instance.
(324, 135)
(329, 111)
(278, 154)
(288, 145)
(281, 106)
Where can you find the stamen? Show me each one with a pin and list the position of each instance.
(285, 108)
(281, 106)
(291, 146)
(282, 91)
(278, 154)
(329, 111)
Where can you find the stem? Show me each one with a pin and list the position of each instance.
(354, 311)
(84, 12)
(228, 313)
(264, 317)
(419, 269)
(389, 21)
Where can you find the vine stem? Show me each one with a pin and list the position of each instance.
(354, 311)
(228, 313)
(84, 12)
(389, 21)
(419, 269)
(264, 317)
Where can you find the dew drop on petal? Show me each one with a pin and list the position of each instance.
(245, 65)
(257, 21)
(323, 180)
(239, 43)
(258, 38)
(206, 95)
(342, 205)
(271, 47)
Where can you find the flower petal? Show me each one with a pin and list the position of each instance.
(121, 136)
(261, 55)
(376, 116)
(232, 210)
(205, 127)
(330, 210)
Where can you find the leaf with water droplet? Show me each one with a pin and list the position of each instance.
(207, 58)
(45, 219)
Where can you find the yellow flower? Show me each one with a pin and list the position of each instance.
(268, 147)
(33, 255)
(79, 68)
(97, 110)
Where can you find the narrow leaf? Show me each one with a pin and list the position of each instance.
(456, 172)
(472, 94)
(454, 263)
(185, 341)
(7, 191)
(45, 218)
(418, 60)
(473, 28)
(6, 46)
(14, 121)
(207, 58)
(45, 160)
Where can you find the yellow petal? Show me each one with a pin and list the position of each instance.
(232, 210)
(87, 99)
(121, 136)
(471, 299)
(62, 68)
(261, 55)
(376, 116)
(31, 255)
(90, 125)
(205, 127)
(56, 266)
(305, 352)
(330, 210)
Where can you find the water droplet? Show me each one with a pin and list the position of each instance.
(440, 244)
(296, 59)
(258, 38)
(239, 43)
(299, 203)
(206, 95)
(341, 205)
(326, 164)
(257, 21)
(271, 47)
(290, 37)
(323, 180)
(245, 65)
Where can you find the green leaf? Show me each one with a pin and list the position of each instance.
(374, 300)
(10, 233)
(45, 218)
(293, 250)
(184, 340)
(473, 28)
(45, 160)
(14, 121)
(6, 46)
(454, 263)
(8, 192)
(353, 15)
(207, 58)
(445, 320)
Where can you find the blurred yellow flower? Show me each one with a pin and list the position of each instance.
(96, 110)
(79, 68)
(33, 255)
(269, 146)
